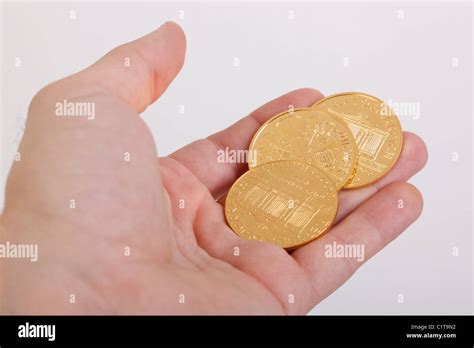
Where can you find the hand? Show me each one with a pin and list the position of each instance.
(114, 236)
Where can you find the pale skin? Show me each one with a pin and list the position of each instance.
(177, 254)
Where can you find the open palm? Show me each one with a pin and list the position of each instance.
(120, 230)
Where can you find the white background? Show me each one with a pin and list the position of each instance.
(399, 59)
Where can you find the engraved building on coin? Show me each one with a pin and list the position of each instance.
(370, 141)
(288, 203)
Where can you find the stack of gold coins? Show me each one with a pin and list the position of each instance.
(299, 160)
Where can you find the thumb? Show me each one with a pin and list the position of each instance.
(138, 72)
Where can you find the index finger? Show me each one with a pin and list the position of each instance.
(201, 156)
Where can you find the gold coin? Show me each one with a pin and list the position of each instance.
(288, 203)
(307, 135)
(376, 130)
